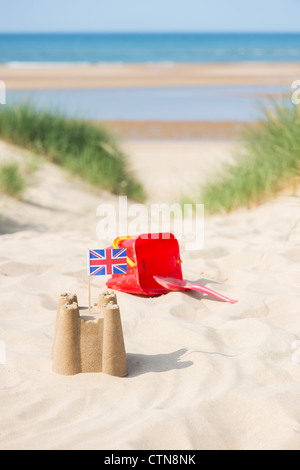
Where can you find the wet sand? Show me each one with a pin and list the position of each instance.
(178, 130)
(53, 76)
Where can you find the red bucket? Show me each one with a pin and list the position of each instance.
(154, 267)
(148, 255)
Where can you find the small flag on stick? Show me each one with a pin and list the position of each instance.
(109, 261)
(104, 262)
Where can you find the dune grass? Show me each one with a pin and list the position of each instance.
(12, 181)
(85, 150)
(268, 159)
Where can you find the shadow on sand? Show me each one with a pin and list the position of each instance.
(139, 364)
(11, 226)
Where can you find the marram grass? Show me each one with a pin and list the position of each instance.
(12, 181)
(267, 161)
(85, 150)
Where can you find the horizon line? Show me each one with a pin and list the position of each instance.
(154, 32)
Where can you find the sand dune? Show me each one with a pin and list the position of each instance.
(203, 374)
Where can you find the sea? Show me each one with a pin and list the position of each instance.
(137, 48)
(210, 103)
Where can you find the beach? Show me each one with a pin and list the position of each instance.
(155, 101)
(52, 76)
(202, 374)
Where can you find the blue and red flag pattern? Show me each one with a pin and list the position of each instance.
(108, 261)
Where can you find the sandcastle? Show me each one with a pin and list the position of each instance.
(81, 345)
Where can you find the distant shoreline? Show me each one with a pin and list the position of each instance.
(124, 75)
(176, 130)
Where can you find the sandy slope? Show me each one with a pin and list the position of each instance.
(203, 374)
(171, 168)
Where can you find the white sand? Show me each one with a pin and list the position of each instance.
(203, 374)
(171, 168)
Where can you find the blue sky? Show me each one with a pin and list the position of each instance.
(149, 15)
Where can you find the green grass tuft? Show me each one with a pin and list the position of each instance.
(85, 150)
(12, 182)
(268, 159)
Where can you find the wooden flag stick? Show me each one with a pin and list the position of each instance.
(89, 277)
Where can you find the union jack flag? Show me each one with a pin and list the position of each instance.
(109, 261)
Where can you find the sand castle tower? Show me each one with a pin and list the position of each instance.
(96, 345)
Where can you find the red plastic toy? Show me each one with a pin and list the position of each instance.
(154, 267)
